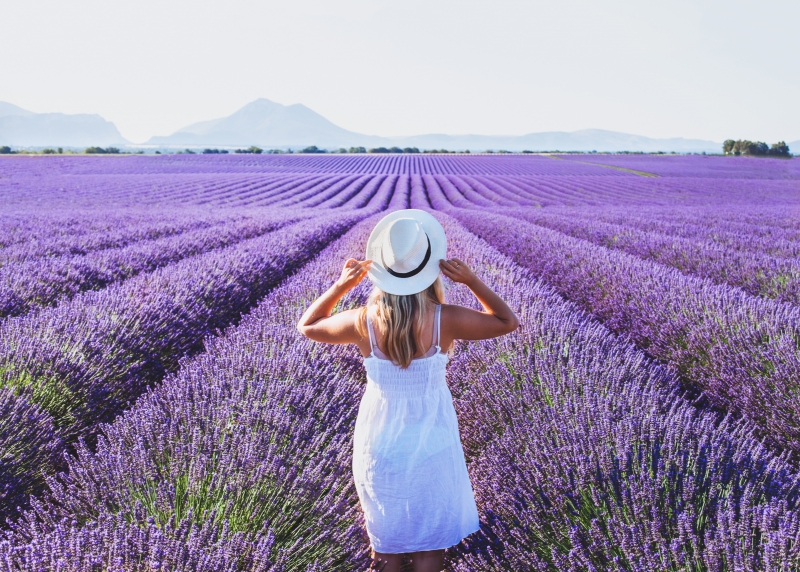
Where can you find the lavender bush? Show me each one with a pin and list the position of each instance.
(758, 274)
(755, 230)
(41, 282)
(255, 436)
(77, 233)
(743, 353)
(584, 452)
(584, 455)
(82, 361)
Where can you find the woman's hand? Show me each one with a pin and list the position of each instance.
(353, 273)
(457, 271)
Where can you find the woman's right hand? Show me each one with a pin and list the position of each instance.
(458, 271)
(353, 273)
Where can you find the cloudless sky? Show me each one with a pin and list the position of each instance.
(699, 69)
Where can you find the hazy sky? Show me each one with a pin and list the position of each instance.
(699, 69)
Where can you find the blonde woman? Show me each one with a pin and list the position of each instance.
(408, 461)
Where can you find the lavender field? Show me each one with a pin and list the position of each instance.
(159, 411)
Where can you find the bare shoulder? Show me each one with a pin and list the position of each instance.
(462, 323)
(455, 311)
(454, 315)
(348, 318)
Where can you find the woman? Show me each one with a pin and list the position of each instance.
(408, 461)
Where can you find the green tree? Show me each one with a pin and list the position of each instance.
(780, 149)
(5, 150)
(356, 150)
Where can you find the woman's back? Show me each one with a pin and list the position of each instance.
(431, 332)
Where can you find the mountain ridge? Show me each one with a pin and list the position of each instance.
(268, 124)
(20, 127)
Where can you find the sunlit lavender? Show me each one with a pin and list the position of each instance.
(159, 411)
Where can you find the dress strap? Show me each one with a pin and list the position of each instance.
(371, 335)
(438, 327)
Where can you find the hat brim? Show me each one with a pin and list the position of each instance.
(381, 278)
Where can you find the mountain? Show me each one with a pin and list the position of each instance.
(269, 124)
(20, 127)
(11, 110)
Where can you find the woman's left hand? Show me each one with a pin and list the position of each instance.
(353, 273)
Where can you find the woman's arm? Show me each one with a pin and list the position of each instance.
(317, 322)
(462, 323)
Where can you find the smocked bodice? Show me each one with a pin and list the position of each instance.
(422, 375)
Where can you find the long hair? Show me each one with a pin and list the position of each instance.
(400, 319)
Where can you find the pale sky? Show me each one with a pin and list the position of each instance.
(696, 69)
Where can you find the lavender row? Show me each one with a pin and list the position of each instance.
(254, 435)
(741, 352)
(697, 166)
(32, 227)
(760, 234)
(232, 164)
(533, 191)
(775, 222)
(46, 281)
(82, 361)
(76, 232)
(755, 273)
(116, 542)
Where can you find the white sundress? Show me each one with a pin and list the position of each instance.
(408, 462)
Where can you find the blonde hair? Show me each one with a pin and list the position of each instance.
(401, 319)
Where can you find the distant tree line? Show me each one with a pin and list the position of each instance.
(393, 150)
(252, 149)
(758, 148)
(404, 150)
(6, 150)
(101, 151)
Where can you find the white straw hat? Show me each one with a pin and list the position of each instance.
(405, 248)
